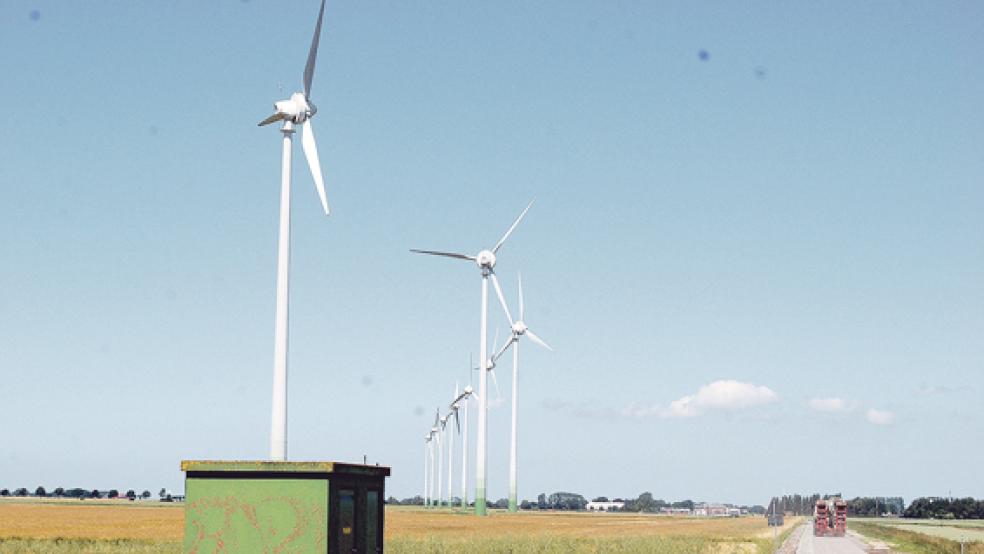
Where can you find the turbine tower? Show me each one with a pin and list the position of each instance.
(518, 329)
(298, 109)
(469, 392)
(486, 263)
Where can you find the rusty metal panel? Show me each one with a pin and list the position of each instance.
(269, 467)
(257, 466)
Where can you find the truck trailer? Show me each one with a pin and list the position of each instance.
(821, 518)
(830, 518)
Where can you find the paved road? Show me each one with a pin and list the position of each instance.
(809, 544)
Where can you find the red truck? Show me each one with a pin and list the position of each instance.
(830, 518)
(821, 518)
(840, 518)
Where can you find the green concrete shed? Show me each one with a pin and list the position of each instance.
(298, 507)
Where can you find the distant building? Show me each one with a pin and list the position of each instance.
(605, 506)
(675, 511)
(713, 510)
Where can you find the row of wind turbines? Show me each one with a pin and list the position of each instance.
(486, 261)
(299, 110)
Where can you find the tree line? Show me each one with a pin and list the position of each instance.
(945, 508)
(796, 504)
(79, 493)
(569, 501)
(803, 505)
(877, 506)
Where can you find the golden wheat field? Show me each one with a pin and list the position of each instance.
(419, 523)
(408, 530)
(111, 519)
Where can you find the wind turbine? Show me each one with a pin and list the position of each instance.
(486, 263)
(439, 423)
(518, 329)
(430, 439)
(463, 398)
(457, 425)
(427, 450)
(460, 401)
(298, 109)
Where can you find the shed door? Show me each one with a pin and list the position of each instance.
(346, 521)
(374, 527)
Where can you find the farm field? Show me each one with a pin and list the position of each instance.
(58, 527)
(955, 530)
(924, 536)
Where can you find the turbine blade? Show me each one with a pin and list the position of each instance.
(311, 153)
(498, 245)
(457, 424)
(446, 254)
(498, 354)
(522, 310)
(313, 53)
(502, 299)
(272, 119)
(495, 382)
(538, 340)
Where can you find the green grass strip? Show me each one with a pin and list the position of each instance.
(911, 542)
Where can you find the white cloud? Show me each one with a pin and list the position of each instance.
(719, 395)
(880, 417)
(831, 405)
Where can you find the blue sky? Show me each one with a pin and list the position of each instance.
(761, 271)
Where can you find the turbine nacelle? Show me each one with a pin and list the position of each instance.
(296, 108)
(485, 259)
(519, 328)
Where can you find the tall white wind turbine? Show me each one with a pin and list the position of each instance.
(298, 109)
(518, 329)
(485, 260)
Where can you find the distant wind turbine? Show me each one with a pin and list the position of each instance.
(460, 402)
(298, 109)
(439, 424)
(427, 456)
(519, 329)
(431, 439)
(485, 260)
